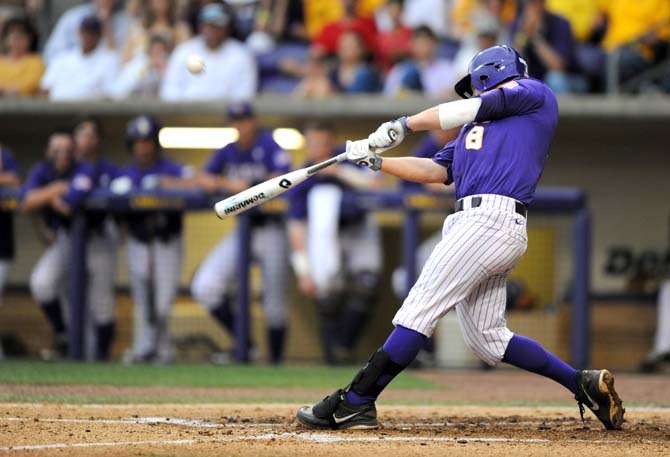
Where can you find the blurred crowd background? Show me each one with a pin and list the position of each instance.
(113, 49)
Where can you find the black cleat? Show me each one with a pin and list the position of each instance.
(334, 412)
(596, 391)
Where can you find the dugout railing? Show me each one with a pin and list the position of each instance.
(553, 201)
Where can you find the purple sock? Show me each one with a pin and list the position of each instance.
(526, 353)
(402, 346)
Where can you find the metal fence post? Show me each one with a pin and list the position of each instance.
(78, 289)
(581, 311)
(242, 317)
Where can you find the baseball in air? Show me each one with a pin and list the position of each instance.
(195, 64)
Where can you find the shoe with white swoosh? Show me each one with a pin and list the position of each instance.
(596, 391)
(335, 412)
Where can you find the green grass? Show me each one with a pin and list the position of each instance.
(184, 375)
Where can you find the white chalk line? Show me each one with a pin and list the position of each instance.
(206, 424)
(313, 438)
(219, 406)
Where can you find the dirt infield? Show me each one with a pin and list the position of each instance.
(213, 430)
(264, 429)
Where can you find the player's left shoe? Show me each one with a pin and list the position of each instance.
(335, 412)
(596, 391)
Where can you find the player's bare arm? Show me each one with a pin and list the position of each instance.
(214, 183)
(9, 178)
(415, 169)
(297, 233)
(39, 198)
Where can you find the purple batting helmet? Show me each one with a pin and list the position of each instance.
(491, 67)
(142, 128)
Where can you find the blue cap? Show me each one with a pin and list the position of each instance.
(239, 110)
(91, 24)
(214, 14)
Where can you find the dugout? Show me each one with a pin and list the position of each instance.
(611, 148)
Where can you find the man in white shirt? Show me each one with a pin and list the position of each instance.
(230, 69)
(64, 37)
(85, 72)
(426, 72)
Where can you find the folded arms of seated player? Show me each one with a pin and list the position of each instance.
(39, 198)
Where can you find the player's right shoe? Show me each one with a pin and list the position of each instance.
(596, 391)
(336, 413)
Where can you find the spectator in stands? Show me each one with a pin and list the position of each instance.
(154, 18)
(83, 73)
(316, 83)
(326, 42)
(283, 20)
(546, 42)
(114, 21)
(143, 76)
(588, 28)
(230, 69)
(467, 15)
(353, 73)
(425, 72)
(21, 67)
(638, 31)
(394, 43)
(487, 33)
(430, 13)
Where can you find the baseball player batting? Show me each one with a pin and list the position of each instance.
(495, 163)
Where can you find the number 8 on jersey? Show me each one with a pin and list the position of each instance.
(474, 138)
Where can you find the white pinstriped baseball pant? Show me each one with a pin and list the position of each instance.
(468, 270)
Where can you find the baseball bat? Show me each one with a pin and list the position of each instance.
(270, 189)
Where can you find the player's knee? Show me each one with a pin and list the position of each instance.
(205, 294)
(486, 351)
(275, 315)
(42, 288)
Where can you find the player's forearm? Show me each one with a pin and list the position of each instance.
(39, 198)
(297, 233)
(445, 116)
(9, 179)
(415, 169)
(173, 182)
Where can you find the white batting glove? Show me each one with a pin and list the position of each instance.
(389, 135)
(359, 153)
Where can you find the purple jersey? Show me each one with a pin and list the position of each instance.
(87, 177)
(349, 211)
(255, 165)
(142, 178)
(164, 225)
(7, 162)
(7, 165)
(504, 150)
(41, 176)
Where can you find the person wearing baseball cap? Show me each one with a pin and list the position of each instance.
(84, 73)
(253, 158)
(229, 67)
